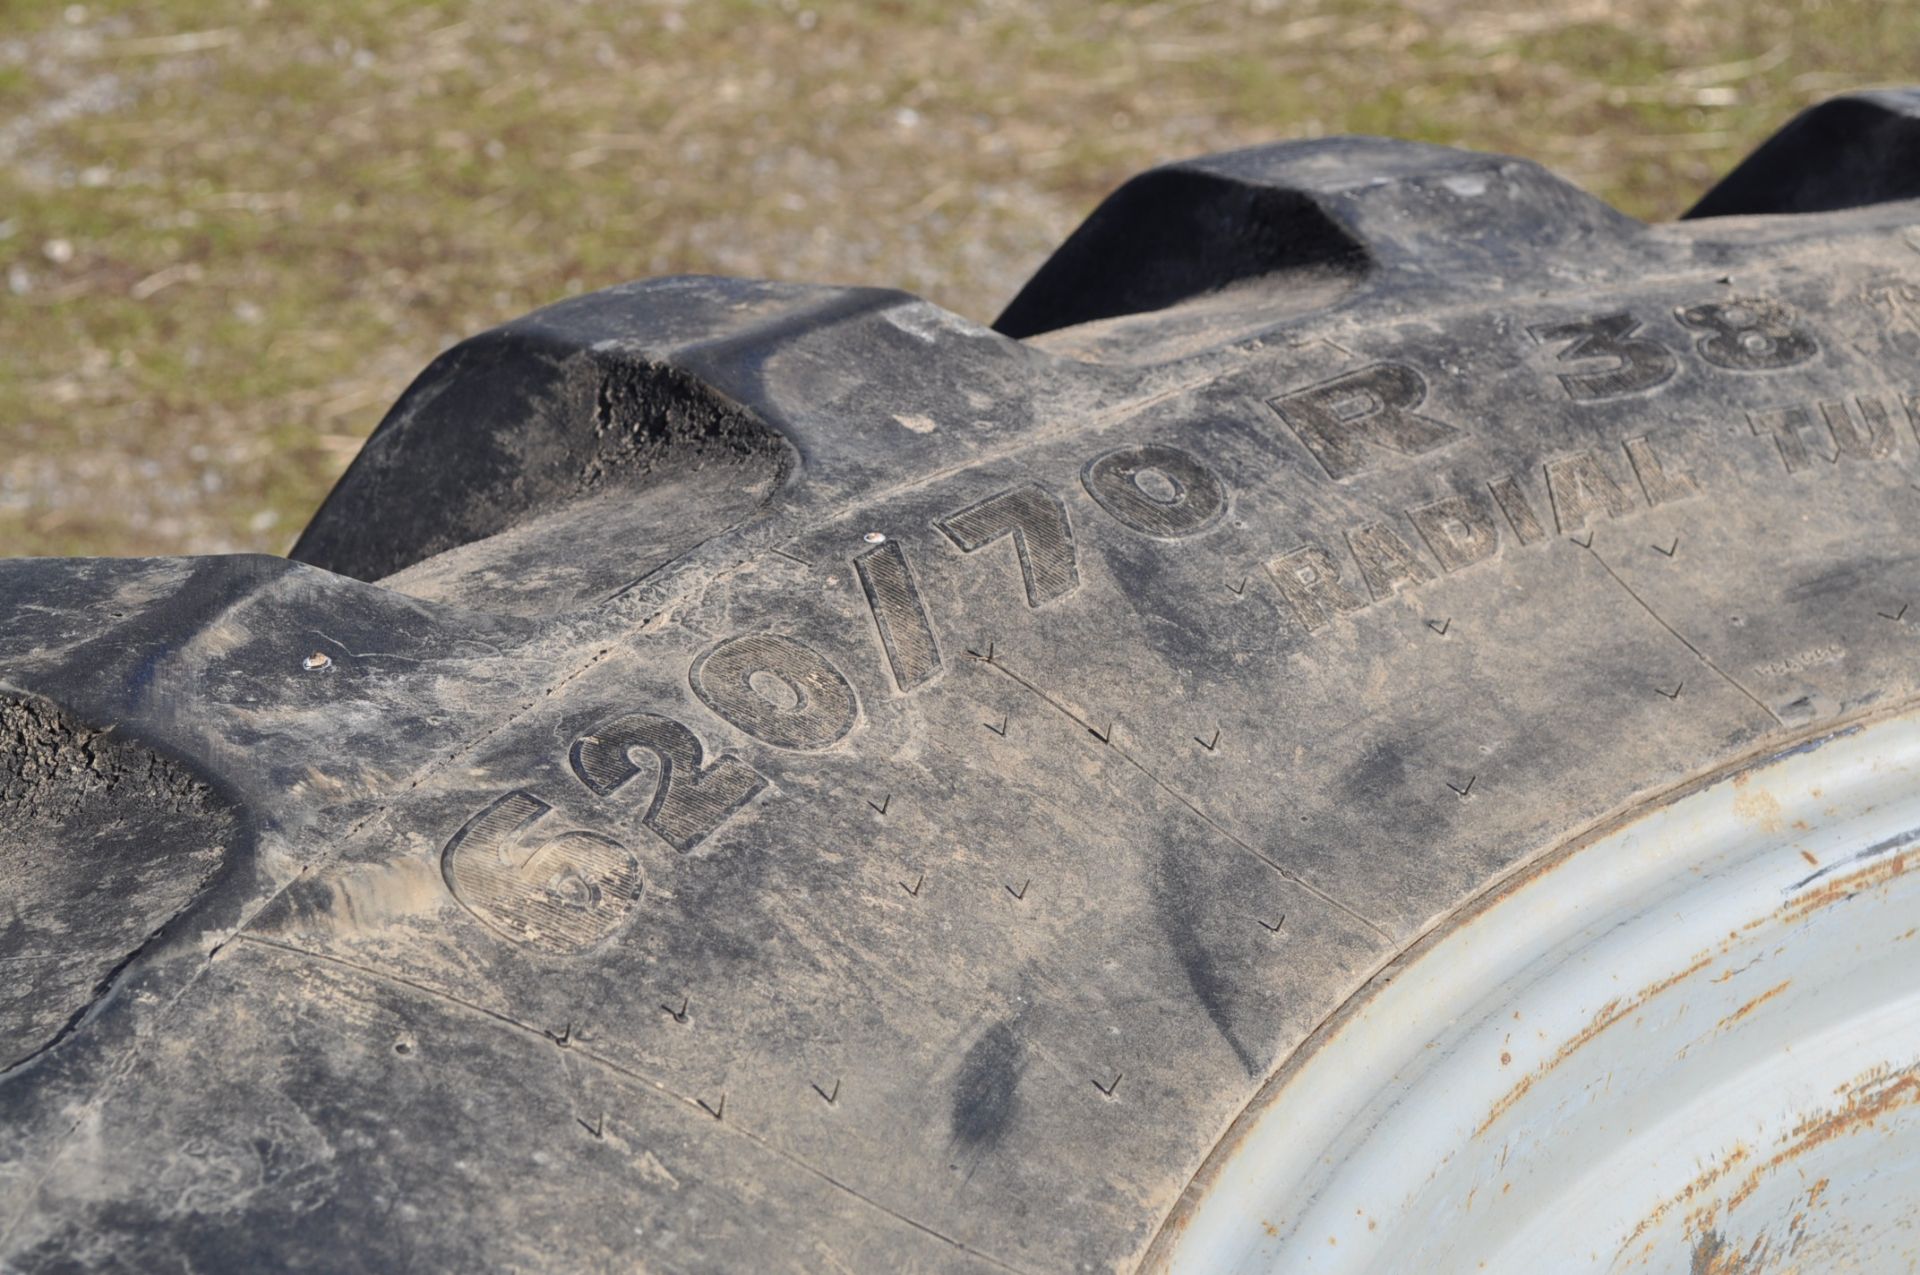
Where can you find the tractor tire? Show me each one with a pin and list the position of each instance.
(1365, 725)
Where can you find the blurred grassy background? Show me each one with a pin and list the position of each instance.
(231, 230)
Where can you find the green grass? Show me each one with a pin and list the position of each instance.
(241, 225)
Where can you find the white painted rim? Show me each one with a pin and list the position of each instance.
(1691, 1045)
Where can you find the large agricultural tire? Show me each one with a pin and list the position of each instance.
(1367, 725)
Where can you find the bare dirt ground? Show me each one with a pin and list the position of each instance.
(231, 230)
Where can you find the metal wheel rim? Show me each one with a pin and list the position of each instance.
(1690, 1044)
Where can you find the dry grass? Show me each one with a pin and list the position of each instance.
(230, 230)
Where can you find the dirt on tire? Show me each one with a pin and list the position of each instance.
(750, 776)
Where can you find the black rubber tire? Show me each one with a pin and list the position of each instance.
(742, 776)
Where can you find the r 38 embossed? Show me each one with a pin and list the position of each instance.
(573, 889)
(1748, 335)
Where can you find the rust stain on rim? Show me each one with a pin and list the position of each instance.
(1870, 1098)
(1694, 1190)
(1840, 889)
(1874, 1098)
(1758, 800)
(1834, 892)
(1609, 1014)
(1752, 1005)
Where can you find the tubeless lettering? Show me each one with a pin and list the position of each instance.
(690, 800)
(1783, 425)
(899, 613)
(1866, 433)
(1751, 335)
(1638, 364)
(559, 895)
(1042, 537)
(777, 689)
(1157, 491)
(1342, 421)
(1861, 429)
